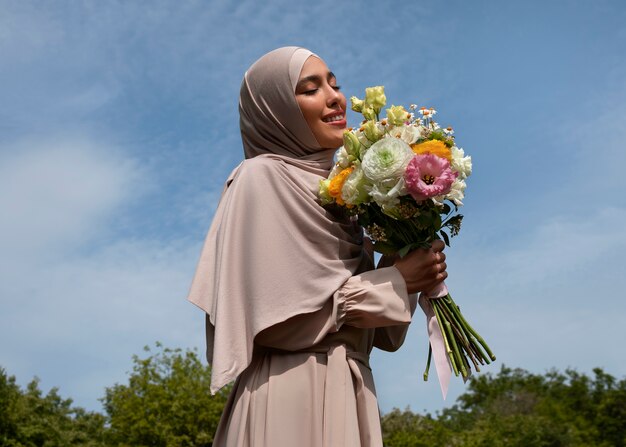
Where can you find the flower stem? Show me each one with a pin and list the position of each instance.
(470, 328)
(443, 329)
(430, 354)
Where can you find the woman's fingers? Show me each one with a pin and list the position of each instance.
(438, 246)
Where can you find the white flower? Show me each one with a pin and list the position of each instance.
(448, 130)
(387, 197)
(385, 161)
(457, 192)
(461, 163)
(427, 113)
(353, 191)
(408, 134)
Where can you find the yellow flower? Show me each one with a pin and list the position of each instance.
(375, 97)
(336, 184)
(435, 147)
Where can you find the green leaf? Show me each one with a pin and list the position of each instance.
(445, 237)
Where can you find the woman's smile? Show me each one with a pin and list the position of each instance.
(336, 119)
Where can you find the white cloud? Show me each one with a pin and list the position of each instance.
(55, 192)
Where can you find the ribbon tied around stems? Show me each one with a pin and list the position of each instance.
(435, 337)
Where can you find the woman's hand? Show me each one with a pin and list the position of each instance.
(423, 269)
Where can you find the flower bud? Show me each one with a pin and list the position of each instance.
(356, 104)
(371, 131)
(375, 97)
(351, 143)
(369, 113)
(324, 192)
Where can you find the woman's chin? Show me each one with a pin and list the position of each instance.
(333, 141)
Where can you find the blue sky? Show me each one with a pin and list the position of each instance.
(119, 124)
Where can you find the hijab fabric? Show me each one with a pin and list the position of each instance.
(272, 252)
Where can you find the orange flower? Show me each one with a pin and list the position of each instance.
(336, 184)
(435, 147)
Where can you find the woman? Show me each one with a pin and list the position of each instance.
(293, 303)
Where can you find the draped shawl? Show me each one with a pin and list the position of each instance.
(272, 252)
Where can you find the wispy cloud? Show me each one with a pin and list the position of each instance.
(59, 192)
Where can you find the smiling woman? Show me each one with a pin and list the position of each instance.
(321, 102)
(293, 303)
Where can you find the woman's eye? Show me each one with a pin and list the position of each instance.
(310, 92)
(336, 87)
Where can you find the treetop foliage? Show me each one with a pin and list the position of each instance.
(166, 402)
(518, 408)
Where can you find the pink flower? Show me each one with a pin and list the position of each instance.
(427, 176)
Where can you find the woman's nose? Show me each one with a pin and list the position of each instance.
(333, 97)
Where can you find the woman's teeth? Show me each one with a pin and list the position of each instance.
(333, 118)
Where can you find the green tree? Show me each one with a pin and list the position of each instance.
(407, 429)
(165, 403)
(517, 408)
(555, 409)
(29, 419)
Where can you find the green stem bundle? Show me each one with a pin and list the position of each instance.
(464, 346)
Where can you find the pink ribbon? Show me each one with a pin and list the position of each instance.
(442, 363)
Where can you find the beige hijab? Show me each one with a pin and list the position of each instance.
(272, 251)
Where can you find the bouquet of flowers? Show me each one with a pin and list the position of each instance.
(403, 177)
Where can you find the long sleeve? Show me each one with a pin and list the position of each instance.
(373, 299)
(390, 338)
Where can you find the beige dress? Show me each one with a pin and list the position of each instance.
(321, 395)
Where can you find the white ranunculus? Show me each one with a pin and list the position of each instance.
(461, 163)
(385, 161)
(354, 190)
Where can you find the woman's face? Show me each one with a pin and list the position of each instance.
(321, 102)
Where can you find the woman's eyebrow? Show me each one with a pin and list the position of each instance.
(312, 78)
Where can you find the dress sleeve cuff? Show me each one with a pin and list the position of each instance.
(376, 298)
